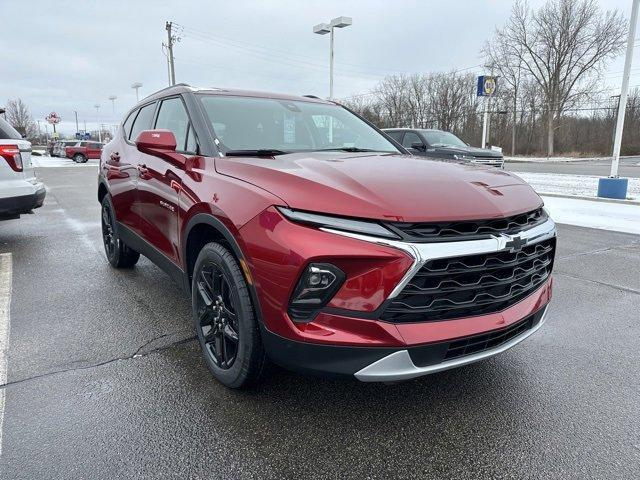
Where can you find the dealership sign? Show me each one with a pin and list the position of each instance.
(53, 118)
(487, 85)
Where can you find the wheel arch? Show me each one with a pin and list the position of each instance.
(102, 191)
(203, 228)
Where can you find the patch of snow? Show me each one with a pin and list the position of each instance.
(578, 185)
(57, 162)
(587, 213)
(553, 159)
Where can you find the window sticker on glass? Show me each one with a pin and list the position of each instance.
(289, 128)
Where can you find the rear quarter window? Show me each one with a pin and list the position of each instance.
(7, 132)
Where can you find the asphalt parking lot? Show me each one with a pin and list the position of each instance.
(105, 379)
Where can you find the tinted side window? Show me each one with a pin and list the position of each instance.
(128, 122)
(7, 131)
(395, 135)
(192, 143)
(173, 116)
(142, 121)
(410, 138)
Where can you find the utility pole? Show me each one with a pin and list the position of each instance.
(614, 186)
(170, 41)
(76, 121)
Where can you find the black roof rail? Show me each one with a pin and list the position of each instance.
(167, 88)
(312, 96)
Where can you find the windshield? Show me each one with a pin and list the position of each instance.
(438, 138)
(248, 123)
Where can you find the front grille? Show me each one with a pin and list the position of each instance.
(472, 285)
(467, 230)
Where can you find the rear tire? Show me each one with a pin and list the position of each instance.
(226, 323)
(118, 253)
(79, 158)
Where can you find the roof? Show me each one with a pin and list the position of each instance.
(183, 88)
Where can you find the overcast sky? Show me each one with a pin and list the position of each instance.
(64, 56)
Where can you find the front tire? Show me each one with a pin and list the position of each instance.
(118, 253)
(225, 321)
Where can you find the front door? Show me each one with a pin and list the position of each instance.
(160, 182)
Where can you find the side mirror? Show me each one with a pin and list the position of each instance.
(418, 146)
(154, 141)
(161, 144)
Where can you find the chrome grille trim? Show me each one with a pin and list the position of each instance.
(424, 252)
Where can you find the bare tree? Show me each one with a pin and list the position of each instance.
(18, 115)
(560, 46)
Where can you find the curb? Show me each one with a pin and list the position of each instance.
(591, 199)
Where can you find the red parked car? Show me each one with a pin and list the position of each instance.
(83, 151)
(306, 236)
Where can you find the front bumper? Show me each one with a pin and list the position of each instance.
(380, 364)
(348, 336)
(18, 204)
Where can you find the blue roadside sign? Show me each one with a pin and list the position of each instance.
(487, 85)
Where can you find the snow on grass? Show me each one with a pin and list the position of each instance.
(578, 185)
(587, 213)
(553, 159)
(56, 162)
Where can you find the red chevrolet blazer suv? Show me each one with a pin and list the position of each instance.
(307, 237)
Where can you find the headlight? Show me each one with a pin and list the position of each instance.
(464, 157)
(338, 223)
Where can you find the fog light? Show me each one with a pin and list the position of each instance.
(317, 285)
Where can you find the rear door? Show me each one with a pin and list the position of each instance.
(94, 150)
(122, 158)
(160, 182)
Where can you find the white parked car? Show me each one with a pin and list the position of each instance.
(20, 190)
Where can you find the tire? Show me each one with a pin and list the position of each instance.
(118, 253)
(222, 309)
(79, 158)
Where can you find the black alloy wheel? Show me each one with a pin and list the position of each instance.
(225, 320)
(108, 235)
(118, 253)
(217, 317)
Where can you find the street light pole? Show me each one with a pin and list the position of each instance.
(97, 107)
(76, 121)
(113, 103)
(323, 29)
(136, 86)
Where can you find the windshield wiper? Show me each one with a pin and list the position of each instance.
(266, 152)
(346, 149)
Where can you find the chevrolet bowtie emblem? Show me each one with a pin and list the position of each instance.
(515, 244)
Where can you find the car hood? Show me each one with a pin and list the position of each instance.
(387, 187)
(477, 152)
